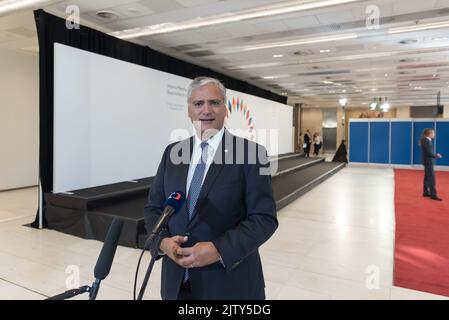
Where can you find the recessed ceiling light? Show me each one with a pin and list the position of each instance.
(373, 89)
(386, 74)
(325, 51)
(278, 55)
(106, 15)
(344, 90)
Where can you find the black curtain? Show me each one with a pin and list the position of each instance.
(341, 154)
(51, 29)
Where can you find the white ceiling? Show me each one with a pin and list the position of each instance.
(372, 65)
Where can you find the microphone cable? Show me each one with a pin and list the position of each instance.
(147, 243)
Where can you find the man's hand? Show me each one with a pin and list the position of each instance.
(200, 255)
(169, 246)
(439, 155)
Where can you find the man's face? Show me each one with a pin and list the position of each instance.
(431, 134)
(207, 110)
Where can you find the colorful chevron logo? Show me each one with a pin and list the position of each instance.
(237, 105)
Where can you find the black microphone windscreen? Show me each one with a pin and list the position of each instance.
(104, 262)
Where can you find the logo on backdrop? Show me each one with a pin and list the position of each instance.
(240, 117)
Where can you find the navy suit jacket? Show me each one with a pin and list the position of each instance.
(235, 210)
(427, 154)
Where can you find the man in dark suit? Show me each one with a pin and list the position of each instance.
(428, 160)
(210, 248)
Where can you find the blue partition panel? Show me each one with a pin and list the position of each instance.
(401, 142)
(358, 142)
(379, 145)
(418, 128)
(442, 142)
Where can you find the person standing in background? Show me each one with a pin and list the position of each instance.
(428, 160)
(307, 143)
(317, 143)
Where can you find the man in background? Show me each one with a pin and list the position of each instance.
(428, 160)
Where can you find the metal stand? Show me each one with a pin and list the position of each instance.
(150, 266)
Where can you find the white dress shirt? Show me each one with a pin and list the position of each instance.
(213, 143)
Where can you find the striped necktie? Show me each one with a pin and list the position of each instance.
(197, 181)
(195, 188)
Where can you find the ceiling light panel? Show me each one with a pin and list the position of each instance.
(230, 17)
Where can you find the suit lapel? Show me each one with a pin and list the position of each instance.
(184, 167)
(182, 173)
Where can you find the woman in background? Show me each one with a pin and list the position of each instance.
(307, 143)
(317, 143)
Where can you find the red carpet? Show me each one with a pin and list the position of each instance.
(421, 255)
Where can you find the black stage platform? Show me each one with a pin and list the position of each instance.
(287, 164)
(87, 213)
(290, 186)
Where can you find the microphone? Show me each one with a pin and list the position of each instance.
(172, 205)
(104, 262)
(103, 265)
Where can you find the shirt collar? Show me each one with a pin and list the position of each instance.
(213, 141)
(428, 138)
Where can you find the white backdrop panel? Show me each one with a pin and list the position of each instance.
(113, 119)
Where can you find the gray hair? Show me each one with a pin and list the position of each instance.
(202, 81)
